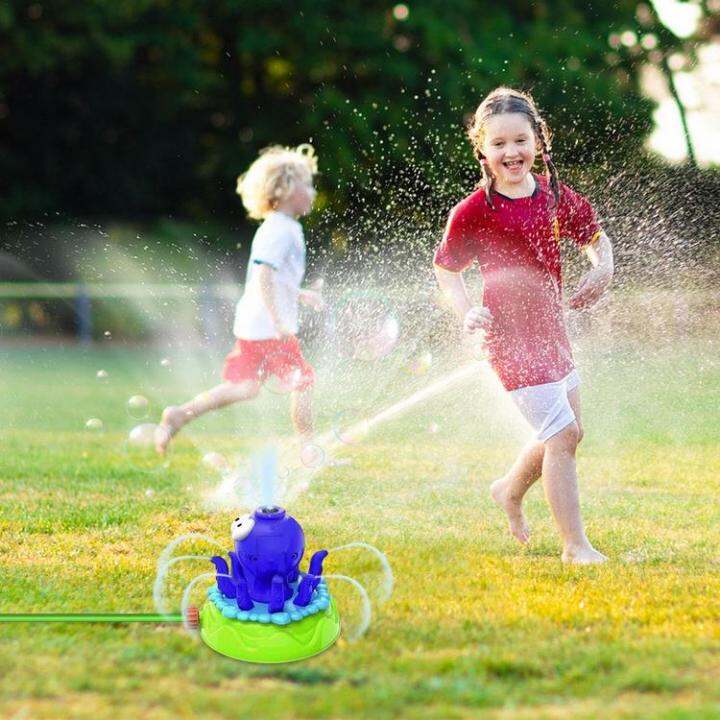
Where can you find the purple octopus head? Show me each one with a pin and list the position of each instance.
(268, 542)
(269, 545)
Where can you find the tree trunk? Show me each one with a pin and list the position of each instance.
(681, 109)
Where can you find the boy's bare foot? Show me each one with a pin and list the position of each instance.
(500, 493)
(587, 555)
(173, 418)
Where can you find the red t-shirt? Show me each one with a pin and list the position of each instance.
(518, 254)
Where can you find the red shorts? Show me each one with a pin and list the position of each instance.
(259, 359)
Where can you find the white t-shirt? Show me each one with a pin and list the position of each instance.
(279, 243)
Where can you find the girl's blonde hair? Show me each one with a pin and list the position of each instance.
(274, 176)
(507, 100)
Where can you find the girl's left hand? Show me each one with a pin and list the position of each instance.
(590, 288)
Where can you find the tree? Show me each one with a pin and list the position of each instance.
(143, 108)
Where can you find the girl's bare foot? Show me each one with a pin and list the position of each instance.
(586, 555)
(500, 492)
(173, 418)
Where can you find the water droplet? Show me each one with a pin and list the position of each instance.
(366, 327)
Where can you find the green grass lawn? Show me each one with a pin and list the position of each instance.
(476, 627)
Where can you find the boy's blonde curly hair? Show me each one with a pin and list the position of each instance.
(274, 176)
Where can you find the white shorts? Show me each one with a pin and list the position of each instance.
(546, 407)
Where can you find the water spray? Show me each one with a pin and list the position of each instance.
(363, 427)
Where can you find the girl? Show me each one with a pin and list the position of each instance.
(511, 225)
(278, 189)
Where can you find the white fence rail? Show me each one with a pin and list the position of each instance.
(81, 295)
(70, 291)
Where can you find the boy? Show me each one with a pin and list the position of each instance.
(277, 189)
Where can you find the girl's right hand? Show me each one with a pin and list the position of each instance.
(590, 288)
(477, 318)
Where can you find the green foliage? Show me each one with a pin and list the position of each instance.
(143, 108)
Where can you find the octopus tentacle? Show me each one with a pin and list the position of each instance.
(316, 562)
(225, 584)
(244, 601)
(277, 594)
(305, 590)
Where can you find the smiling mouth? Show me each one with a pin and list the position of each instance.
(513, 164)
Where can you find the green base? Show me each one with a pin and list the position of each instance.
(267, 643)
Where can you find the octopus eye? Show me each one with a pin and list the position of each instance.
(241, 527)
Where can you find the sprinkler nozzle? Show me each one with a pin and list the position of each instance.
(271, 512)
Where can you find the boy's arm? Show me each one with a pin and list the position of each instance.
(266, 278)
(312, 296)
(594, 283)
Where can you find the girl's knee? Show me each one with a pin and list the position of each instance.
(567, 439)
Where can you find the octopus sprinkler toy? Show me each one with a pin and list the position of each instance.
(263, 608)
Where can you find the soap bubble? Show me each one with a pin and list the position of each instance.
(143, 435)
(420, 364)
(284, 472)
(94, 424)
(140, 449)
(241, 484)
(107, 334)
(215, 461)
(149, 492)
(165, 362)
(101, 374)
(138, 407)
(366, 326)
(279, 373)
(283, 385)
(312, 456)
(348, 430)
(433, 428)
